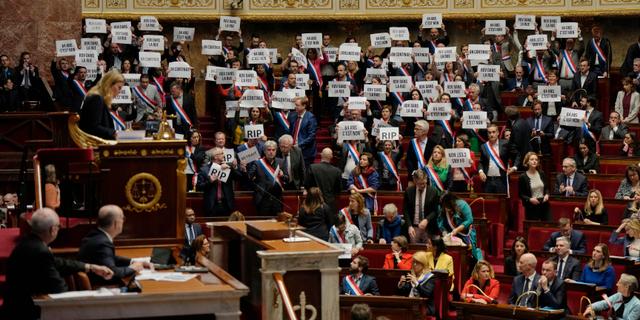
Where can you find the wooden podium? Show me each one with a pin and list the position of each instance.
(146, 179)
(473, 311)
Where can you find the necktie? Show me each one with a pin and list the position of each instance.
(525, 288)
(296, 130)
(289, 165)
(537, 124)
(560, 269)
(219, 191)
(190, 233)
(569, 183)
(418, 216)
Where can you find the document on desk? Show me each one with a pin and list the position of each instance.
(165, 276)
(81, 294)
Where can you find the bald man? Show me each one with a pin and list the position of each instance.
(325, 176)
(97, 247)
(528, 280)
(32, 269)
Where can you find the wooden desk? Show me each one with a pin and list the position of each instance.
(473, 311)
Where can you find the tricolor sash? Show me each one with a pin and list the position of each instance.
(433, 176)
(422, 162)
(468, 105)
(270, 171)
(540, 70)
(466, 175)
(315, 73)
(350, 286)
(65, 74)
(225, 51)
(79, 87)
(361, 182)
(398, 97)
(446, 77)
(282, 119)
(370, 62)
(187, 154)
(391, 166)
(353, 152)
(264, 85)
(447, 128)
(347, 217)
(139, 92)
(506, 58)
(118, 122)
(587, 132)
(404, 71)
(180, 111)
(569, 65)
(424, 278)
(333, 232)
(158, 85)
(599, 52)
(495, 156)
(296, 129)
(497, 48)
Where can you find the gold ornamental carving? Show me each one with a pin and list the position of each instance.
(91, 4)
(521, 3)
(399, 4)
(614, 2)
(143, 192)
(116, 4)
(350, 4)
(232, 5)
(125, 153)
(278, 4)
(463, 4)
(162, 152)
(191, 4)
(581, 2)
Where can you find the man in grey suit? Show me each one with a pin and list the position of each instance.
(526, 281)
(326, 177)
(293, 162)
(615, 129)
(568, 267)
(571, 183)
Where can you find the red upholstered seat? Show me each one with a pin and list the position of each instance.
(537, 236)
(608, 185)
(375, 256)
(497, 233)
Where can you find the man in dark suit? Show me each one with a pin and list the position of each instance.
(218, 196)
(593, 122)
(423, 144)
(526, 281)
(97, 247)
(183, 106)
(519, 82)
(633, 52)
(551, 288)
(520, 140)
(568, 267)
(294, 166)
(420, 208)
(585, 79)
(577, 239)
(33, 270)
(493, 172)
(569, 182)
(303, 129)
(267, 176)
(598, 52)
(615, 129)
(366, 284)
(61, 77)
(541, 129)
(6, 71)
(191, 231)
(326, 177)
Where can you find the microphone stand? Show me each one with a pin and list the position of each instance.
(515, 307)
(593, 314)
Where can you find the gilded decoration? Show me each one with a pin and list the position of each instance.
(521, 3)
(125, 153)
(395, 4)
(162, 152)
(463, 4)
(143, 192)
(349, 4)
(191, 4)
(614, 2)
(116, 4)
(277, 4)
(232, 5)
(581, 2)
(92, 4)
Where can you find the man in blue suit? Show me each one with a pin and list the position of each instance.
(357, 283)
(526, 281)
(303, 129)
(519, 82)
(577, 239)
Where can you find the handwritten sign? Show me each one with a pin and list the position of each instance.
(375, 92)
(302, 81)
(525, 22)
(459, 157)
(549, 93)
(153, 43)
(332, 54)
(283, 100)
(480, 52)
(216, 171)
(132, 79)
(567, 30)
(124, 96)
(357, 103)
(428, 89)
(211, 47)
(230, 23)
(439, 111)
(253, 131)
(179, 69)
(229, 155)
(298, 57)
(474, 119)
(232, 107)
(375, 72)
(400, 83)
(246, 78)
(421, 55)
(571, 117)
(66, 48)
(225, 75)
(495, 27)
(348, 52)
(252, 98)
(445, 54)
(91, 44)
(488, 72)
(339, 89)
(259, 56)
(350, 130)
(210, 74)
(537, 42)
(297, 93)
(380, 40)
(249, 155)
(312, 40)
(389, 133)
(411, 108)
(95, 25)
(431, 20)
(149, 23)
(399, 33)
(183, 34)
(273, 53)
(121, 32)
(86, 58)
(401, 55)
(455, 89)
(549, 23)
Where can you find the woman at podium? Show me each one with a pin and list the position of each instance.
(95, 115)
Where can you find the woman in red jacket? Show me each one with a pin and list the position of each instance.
(398, 258)
(482, 287)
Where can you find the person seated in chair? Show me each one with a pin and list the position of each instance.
(526, 282)
(399, 258)
(568, 267)
(357, 283)
(419, 282)
(201, 249)
(552, 291)
(624, 303)
(482, 287)
(576, 238)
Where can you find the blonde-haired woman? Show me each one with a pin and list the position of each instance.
(419, 282)
(95, 114)
(631, 240)
(438, 170)
(51, 188)
(594, 211)
(482, 287)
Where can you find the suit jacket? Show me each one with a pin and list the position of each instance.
(96, 248)
(517, 289)
(265, 186)
(186, 253)
(578, 241)
(634, 107)
(618, 134)
(519, 143)
(546, 126)
(524, 188)
(189, 107)
(62, 90)
(590, 53)
(592, 163)
(326, 177)
(210, 189)
(512, 84)
(555, 298)
(433, 140)
(95, 118)
(306, 134)
(580, 185)
(590, 85)
(296, 176)
(430, 206)
(504, 155)
(595, 120)
(632, 52)
(367, 284)
(425, 290)
(32, 269)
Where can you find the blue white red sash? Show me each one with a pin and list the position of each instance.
(282, 119)
(468, 104)
(225, 51)
(497, 48)
(506, 58)
(398, 97)
(446, 77)
(336, 236)
(494, 156)
(391, 166)
(466, 175)
(178, 109)
(353, 152)
(188, 152)
(347, 217)
(540, 70)
(296, 128)
(79, 87)
(264, 85)
(422, 162)
(118, 122)
(599, 52)
(424, 278)
(587, 132)
(156, 83)
(433, 176)
(404, 72)
(447, 128)
(370, 62)
(270, 171)
(350, 287)
(137, 90)
(569, 65)
(315, 73)
(65, 74)
(526, 66)
(361, 182)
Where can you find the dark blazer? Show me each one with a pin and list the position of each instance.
(307, 133)
(317, 223)
(186, 253)
(513, 84)
(546, 126)
(593, 163)
(367, 284)
(517, 288)
(632, 52)
(590, 54)
(618, 134)
(95, 118)
(434, 139)
(32, 269)
(296, 176)
(524, 188)
(555, 298)
(189, 107)
(580, 185)
(590, 85)
(210, 189)
(572, 269)
(519, 143)
(430, 205)
(96, 248)
(326, 177)
(62, 90)
(504, 155)
(264, 184)
(578, 242)
(595, 120)
(425, 290)
(510, 268)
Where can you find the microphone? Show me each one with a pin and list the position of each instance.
(593, 314)
(493, 301)
(515, 307)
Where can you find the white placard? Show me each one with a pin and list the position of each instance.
(399, 33)
(91, 44)
(495, 27)
(571, 117)
(455, 89)
(95, 25)
(445, 54)
(273, 53)
(431, 20)
(216, 171)
(259, 56)
(249, 155)
(357, 103)
(225, 75)
(211, 47)
(525, 22)
(376, 72)
(229, 155)
(253, 131)
(380, 40)
(92, 73)
(346, 251)
(375, 92)
(211, 73)
(389, 133)
(566, 30)
(312, 40)
(480, 52)
(350, 130)
(411, 108)
(179, 69)
(549, 93)
(549, 23)
(401, 55)
(299, 57)
(400, 84)
(132, 79)
(252, 98)
(439, 111)
(488, 72)
(149, 23)
(302, 81)
(349, 52)
(246, 78)
(283, 100)
(149, 59)
(537, 42)
(183, 34)
(297, 93)
(153, 43)
(332, 54)
(474, 119)
(421, 55)
(124, 96)
(339, 89)
(232, 106)
(459, 157)
(428, 89)
(66, 48)
(86, 58)
(121, 32)
(230, 23)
